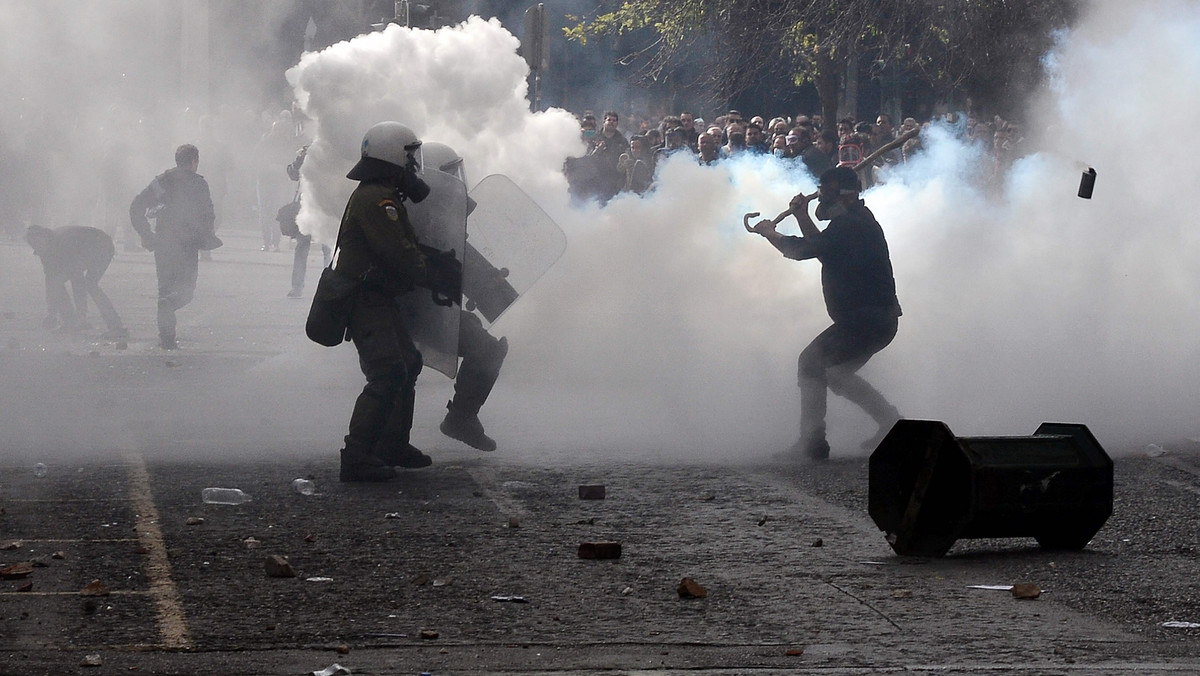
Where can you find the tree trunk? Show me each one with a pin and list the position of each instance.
(827, 89)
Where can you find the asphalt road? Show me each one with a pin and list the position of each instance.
(798, 578)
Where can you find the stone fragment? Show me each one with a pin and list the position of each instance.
(428, 634)
(58, 555)
(818, 543)
(252, 542)
(591, 492)
(94, 588)
(342, 649)
(91, 661)
(16, 571)
(194, 521)
(600, 550)
(278, 566)
(690, 589)
(1026, 590)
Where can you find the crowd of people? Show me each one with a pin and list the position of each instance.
(616, 162)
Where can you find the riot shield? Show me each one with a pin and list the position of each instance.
(440, 221)
(511, 244)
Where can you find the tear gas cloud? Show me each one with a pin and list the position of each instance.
(666, 329)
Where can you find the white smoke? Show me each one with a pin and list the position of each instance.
(463, 86)
(667, 329)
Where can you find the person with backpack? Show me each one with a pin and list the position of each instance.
(181, 204)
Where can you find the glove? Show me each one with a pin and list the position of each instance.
(444, 277)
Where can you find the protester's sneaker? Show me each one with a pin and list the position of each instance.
(466, 428)
(358, 467)
(409, 457)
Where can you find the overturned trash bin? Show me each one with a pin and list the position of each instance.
(929, 488)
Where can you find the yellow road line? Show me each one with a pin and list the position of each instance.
(171, 622)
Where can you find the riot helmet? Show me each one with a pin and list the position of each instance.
(389, 152)
(389, 142)
(443, 158)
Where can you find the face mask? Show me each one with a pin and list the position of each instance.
(589, 133)
(827, 211)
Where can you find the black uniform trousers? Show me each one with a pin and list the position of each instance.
(383, 414)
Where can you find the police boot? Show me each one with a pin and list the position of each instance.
(465, 427)
(408, 456)
(358, 466)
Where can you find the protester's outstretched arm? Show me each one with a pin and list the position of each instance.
(799, 206)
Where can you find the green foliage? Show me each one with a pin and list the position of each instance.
(948, 45)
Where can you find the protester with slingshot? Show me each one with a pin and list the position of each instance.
(860, 296)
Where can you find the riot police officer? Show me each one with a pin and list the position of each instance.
(376, 244)
(482, 354)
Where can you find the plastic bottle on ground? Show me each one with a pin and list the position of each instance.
(224, 496)
(304, 486)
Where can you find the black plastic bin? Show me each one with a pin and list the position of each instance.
(929, 488)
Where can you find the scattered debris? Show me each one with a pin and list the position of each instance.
(690, 589)
(762, 521)
(991, 587)
(278, 566)
(16, 571)
(10, 546)
(94, 588)
(319, 579)
(334, 669)
(304, 486)
(445, 582)
(1174, 624)
(600, 550)
(421, 580)
(252, 542)
(91, 661)
(342, 649)
(794, 652)
(58, 555)
(1026, 590)
(627, 591)
(1155, 451)
(902, 594)
(392, 515)
(514, 522)
(310, 538)
(428, 634)
(195, 521)
(591, 492)
(510, 599)
(818, 543)
(224, 496)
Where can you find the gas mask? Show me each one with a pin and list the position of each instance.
(412, 185)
